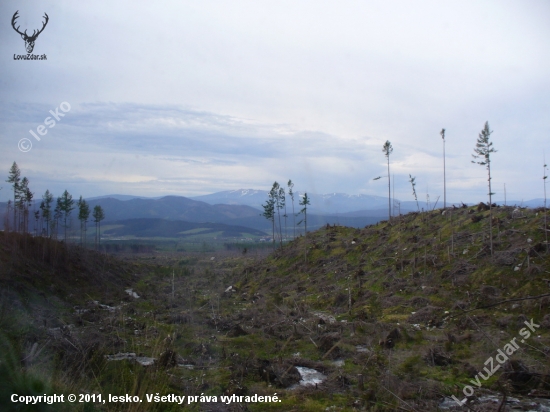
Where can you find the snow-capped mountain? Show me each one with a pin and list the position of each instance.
(324, 204)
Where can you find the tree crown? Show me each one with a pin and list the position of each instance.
(98, 214)
(387, 148)
(484, 147)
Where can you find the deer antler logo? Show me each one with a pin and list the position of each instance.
(29, 40)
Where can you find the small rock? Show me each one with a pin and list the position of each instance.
(132, 293)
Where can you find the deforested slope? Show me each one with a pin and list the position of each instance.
(400, 315)
(412, 309)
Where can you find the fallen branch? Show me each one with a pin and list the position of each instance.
(500, 303)
(412, 409)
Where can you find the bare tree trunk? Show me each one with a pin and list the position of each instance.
(389, 192)
(293, 220)
(273, 227)
(545, 222)
(490, 210)
(280, 227)
(305, 235)
(444, 173)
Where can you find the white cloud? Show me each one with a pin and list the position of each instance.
(238, 94)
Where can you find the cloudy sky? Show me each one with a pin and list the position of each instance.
(194, 97)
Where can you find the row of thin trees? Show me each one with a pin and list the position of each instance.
(482, 156)
(49, 218)
(276, 203)
(483, 149)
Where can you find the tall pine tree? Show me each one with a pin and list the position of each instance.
(83, 215)
(67, 206)
(98, 216)
(387, 149)
(305, 202)
(14, 178)
(46, 207)
(291, 194)
(269, 212)
(482, 156)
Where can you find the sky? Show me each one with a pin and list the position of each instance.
(190, 98)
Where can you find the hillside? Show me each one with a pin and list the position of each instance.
(396, 316)
(417, 307)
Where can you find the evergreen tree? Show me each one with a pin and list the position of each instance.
(79, 206)
(67, 206)
(291, 194)
(387, 149)
(482, 156)
(305, 202)
(83, 215)
(282, 196)
(442, 133)
(22, 203)
(46, 207)
(279, 204)
(57, 214)
(41, 213)
(269, 213)
(98, 216)
(544, 177)
(14, 178)
(413, 184)
(28, 203)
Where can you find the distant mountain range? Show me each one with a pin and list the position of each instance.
(334, 204)
(322, 204)
(173, 208)
(177, 208)
(244, 208)
(340, 204)
(121, 197)
(327, 204)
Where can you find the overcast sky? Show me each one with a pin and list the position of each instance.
(194, 97)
